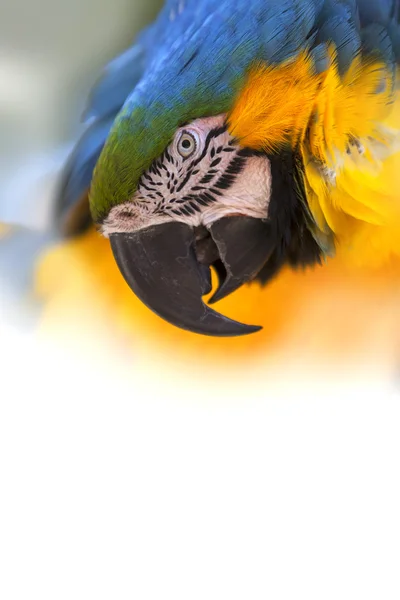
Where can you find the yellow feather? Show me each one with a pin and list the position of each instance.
(275, 105)
(349, 108)
(322, 208)
(362, 203)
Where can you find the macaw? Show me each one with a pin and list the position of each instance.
(246, 136)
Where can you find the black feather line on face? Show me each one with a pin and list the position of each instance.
(203, 200)
(184, 181)
(228, 177)
(149, 189)
(214, 133)
(194, 206)
(207, 178)
(215, 162)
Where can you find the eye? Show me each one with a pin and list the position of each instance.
(187, 144)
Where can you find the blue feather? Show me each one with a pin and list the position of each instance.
(79, 169)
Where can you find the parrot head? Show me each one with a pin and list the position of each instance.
(227, 151)
(205, 200)
(243, 137)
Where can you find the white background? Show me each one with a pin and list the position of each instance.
(151, 484)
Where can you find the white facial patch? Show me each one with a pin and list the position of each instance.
(201, 177)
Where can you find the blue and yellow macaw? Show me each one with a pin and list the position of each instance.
(253, 137)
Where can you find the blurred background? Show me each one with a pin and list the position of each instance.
(138, 461)
(51, 54)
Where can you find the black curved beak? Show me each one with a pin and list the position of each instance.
(244, 246)
(161, 265)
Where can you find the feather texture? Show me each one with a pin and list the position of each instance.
(275, 105)
(361, 204)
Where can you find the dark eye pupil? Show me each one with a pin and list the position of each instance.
(186, 144)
